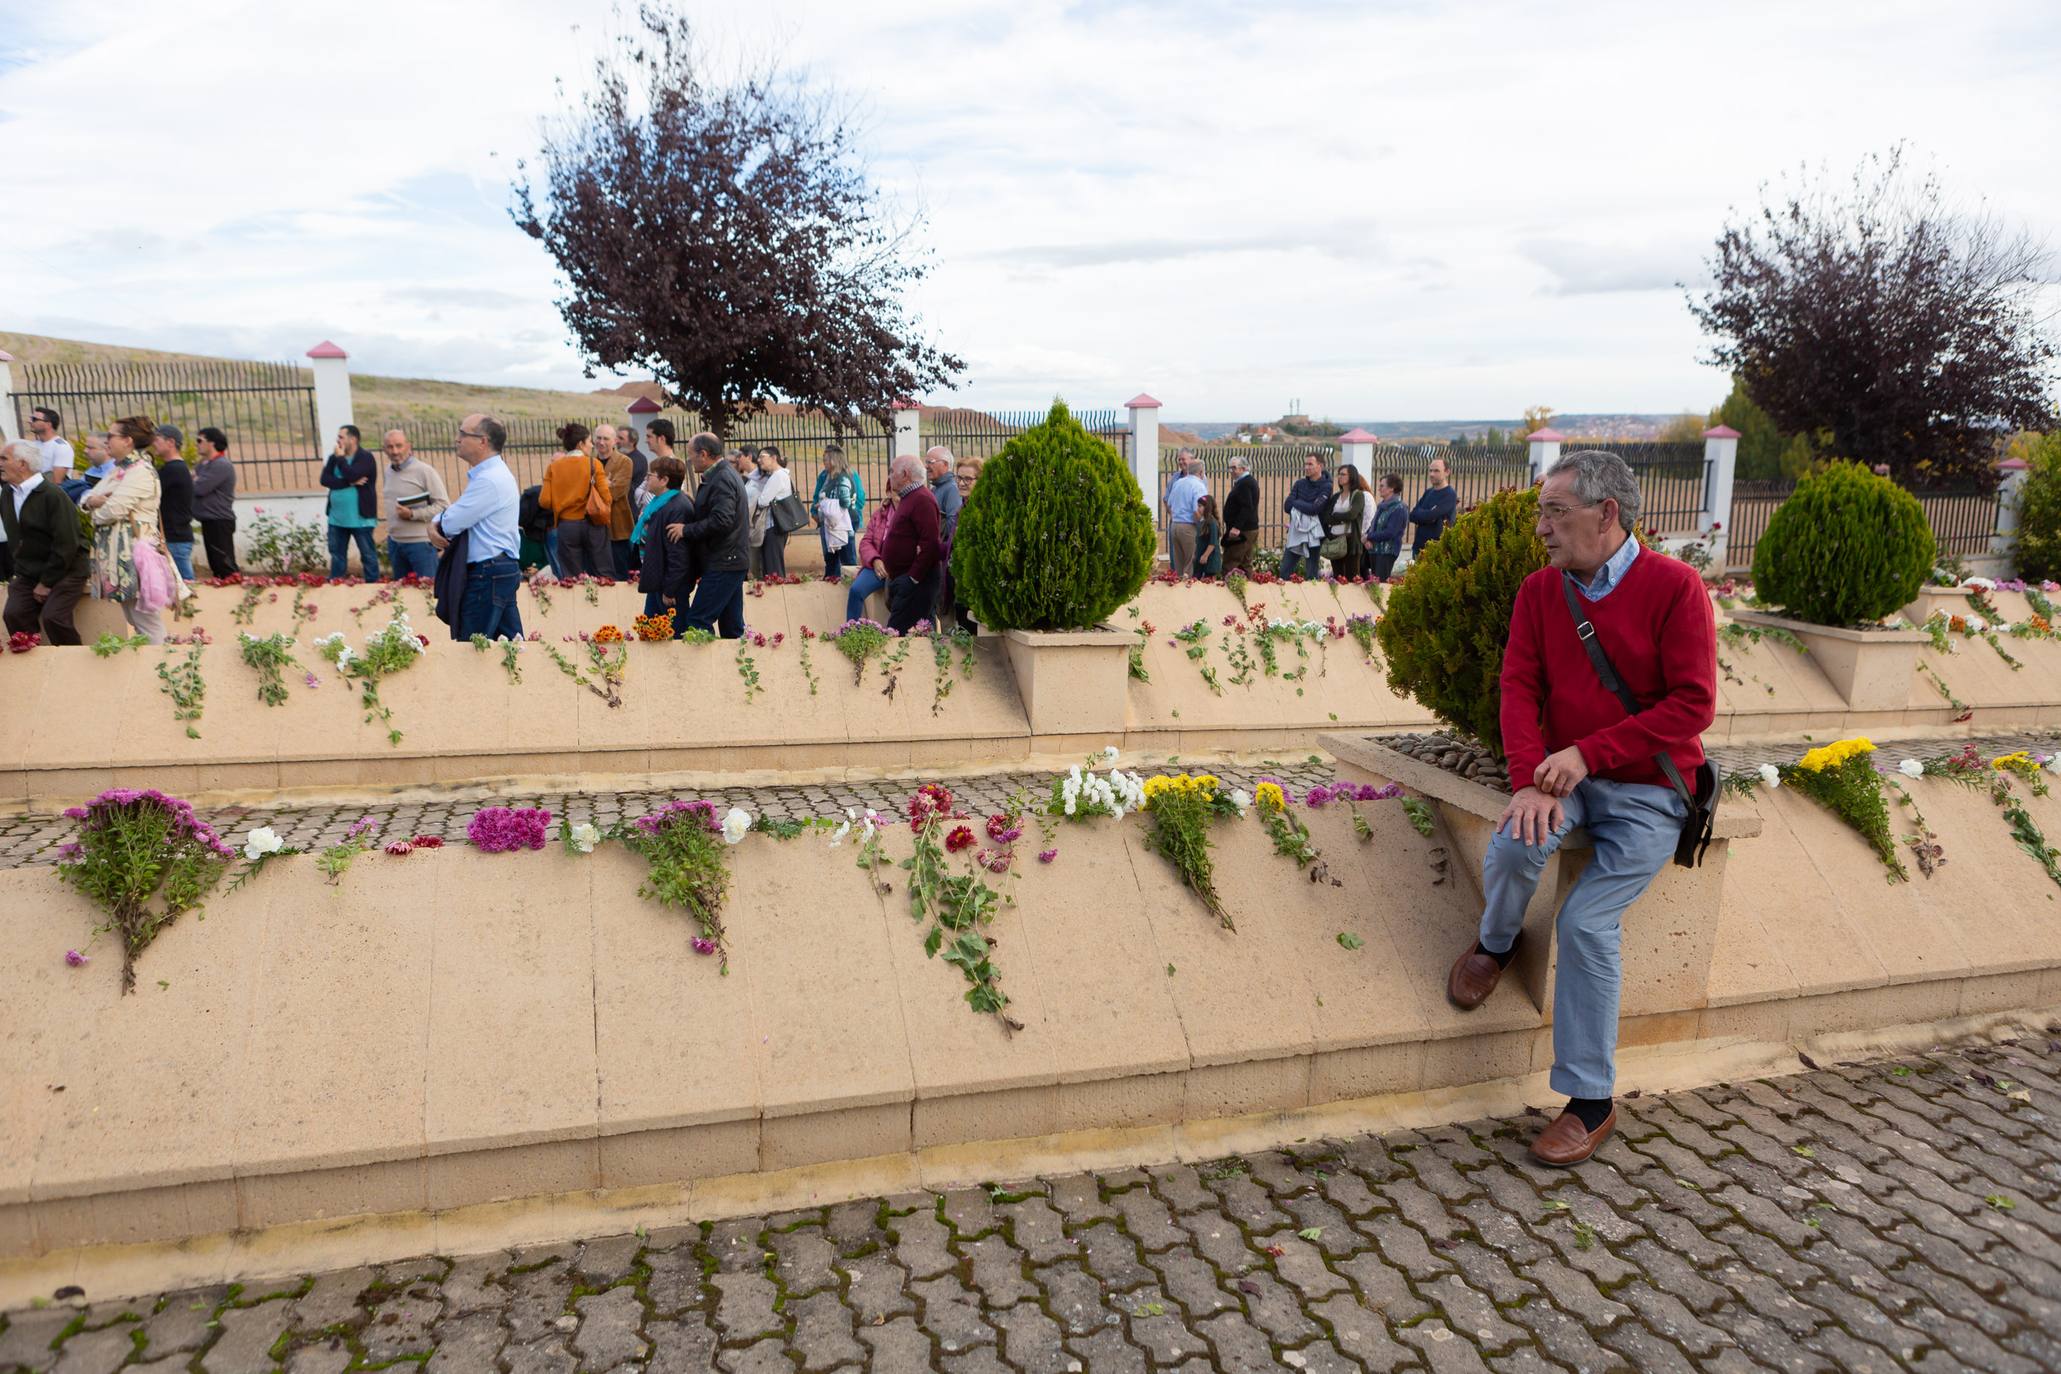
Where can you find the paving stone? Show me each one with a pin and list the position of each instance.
(855, 1229)
(473, 1286)
(680, 1346)
(823, 1332)
(744, 1305)
(26, 1341)
(1106, 1352)
(952, 1314)
(1075, 1298)
(878, 1289)
(675, 1279)
(333, 1356)
(805, 1259)
(180, 1323)
(1241, 1348)
(603, 1261)
(100, 1352)
(1444, 1349)
(1035, 1227)
(400, 1325)
(467, 1345)
(735, 1245)
(607, 1334)
(332, 1301)
(767, 1357)
(1113, 1256)
(1181, 1187)
(1032, 1342)
(536, 1302)
(920, 1244)
(1149, 1220)
(248, 1334)
(899, 1347)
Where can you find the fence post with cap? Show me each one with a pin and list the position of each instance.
(332, 391)
(908, 418)
(8, 433)
(1145, 449)
(2011, 475)
(641, 412)
(1721, 465)
(1545, 451)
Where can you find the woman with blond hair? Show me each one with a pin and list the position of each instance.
(130, 565)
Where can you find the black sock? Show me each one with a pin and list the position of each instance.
(1590, 1111)
(1503, 959)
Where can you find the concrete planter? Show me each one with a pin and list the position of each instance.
(1952, 600)
(1871, 669)
(1670, 933)
(1072, 682)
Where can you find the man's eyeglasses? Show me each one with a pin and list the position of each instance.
(470, 434)
(1555, 513)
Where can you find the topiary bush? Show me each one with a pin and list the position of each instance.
(2038, 550)
(1448, 618)
(1056, 535)
(1847, 547)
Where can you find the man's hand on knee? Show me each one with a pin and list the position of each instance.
(1559, 773)
(1532, 817)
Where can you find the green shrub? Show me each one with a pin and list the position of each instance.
(1056, 535)
(1845, 548)
(2038, 550)
(1448, 618)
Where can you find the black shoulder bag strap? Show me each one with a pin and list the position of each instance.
(1702, 801)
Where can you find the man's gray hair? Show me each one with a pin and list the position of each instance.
(906, 470)
(1238, 462)
(27, 450)
(1600, 476)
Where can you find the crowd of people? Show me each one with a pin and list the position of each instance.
(1336, 522)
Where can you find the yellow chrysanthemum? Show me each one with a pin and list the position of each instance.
(1267, 796)
(2018, 761)
(1832, 755)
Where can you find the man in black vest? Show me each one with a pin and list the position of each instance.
(50, 558)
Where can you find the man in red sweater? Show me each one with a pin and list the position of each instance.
(1577, 757)
(912, 548)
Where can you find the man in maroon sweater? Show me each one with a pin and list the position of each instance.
(912, 548)
(1577, 757)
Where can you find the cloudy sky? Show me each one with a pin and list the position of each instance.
(1383, 208)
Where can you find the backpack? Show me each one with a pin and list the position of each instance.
(531, 516)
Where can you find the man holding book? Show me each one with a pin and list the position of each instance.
(415, 495)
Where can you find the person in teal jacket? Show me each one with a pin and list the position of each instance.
(1209, 538)
(838, 478)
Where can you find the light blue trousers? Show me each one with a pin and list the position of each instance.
(1633, 828)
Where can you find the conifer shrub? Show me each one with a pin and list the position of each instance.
(1056, 535)
(1846, 547)
(1449, 617)
(2038, 550)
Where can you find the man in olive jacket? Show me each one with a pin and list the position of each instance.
(50, 557)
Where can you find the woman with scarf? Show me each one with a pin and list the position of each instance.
(130, 565)
(665, 569)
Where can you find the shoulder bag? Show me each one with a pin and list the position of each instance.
(1698, 825)
(788, 514)
(1337, 546)
(597, 507)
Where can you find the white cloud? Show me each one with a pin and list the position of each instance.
(1388, 210)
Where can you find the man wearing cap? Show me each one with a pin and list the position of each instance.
(175, 484)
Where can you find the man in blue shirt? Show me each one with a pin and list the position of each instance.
(1435, 509)
(1181, 495)
(486, 514)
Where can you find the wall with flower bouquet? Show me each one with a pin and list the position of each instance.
(707, 992)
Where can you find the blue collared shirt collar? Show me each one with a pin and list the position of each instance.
(1611, 573)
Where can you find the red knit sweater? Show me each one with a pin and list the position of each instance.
(1658, 630)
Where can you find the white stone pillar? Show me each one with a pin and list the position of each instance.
(641, 412)
(1145, 449)
(1721, 459)
(908, 430)
(8, 433)
(1545, 451)
(1356, 447)
(2010, 491)
(332, 392)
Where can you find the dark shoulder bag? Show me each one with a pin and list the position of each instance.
(1698, 825)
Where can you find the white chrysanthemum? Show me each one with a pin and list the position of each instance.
(262, 841)
(1771, 775)
(736, 821)
(837, 836)
(1241, 799)
(1981, 584)
(1976, 624)
(1109, 753)
(585, 836)
(1911, 768)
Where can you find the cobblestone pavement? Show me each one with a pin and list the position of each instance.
(32, 837)
(1865, 1217)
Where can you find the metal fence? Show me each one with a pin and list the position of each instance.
(266, 409)
(1674, 480)
(981, 434)
(1963, 520)
(1477, 472)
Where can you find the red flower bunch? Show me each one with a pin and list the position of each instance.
(21, 641)
(428, 842)
(961, 838)
(807, 633)
(932, 801)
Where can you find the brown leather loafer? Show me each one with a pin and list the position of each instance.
(1567, 1141)
(1473, 978)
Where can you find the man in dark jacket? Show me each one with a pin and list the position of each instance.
(1241, 517)
(42, 527)
(214, 502)
(913, 548)
(175, 510)
(353, 504)
(1436, 508)
(1310, 498)
(717, 528)
(1385, 542)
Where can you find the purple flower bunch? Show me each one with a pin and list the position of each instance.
(362, 828)
(121, 803)
(1322, 795)
(660, 819)
(498, 829)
